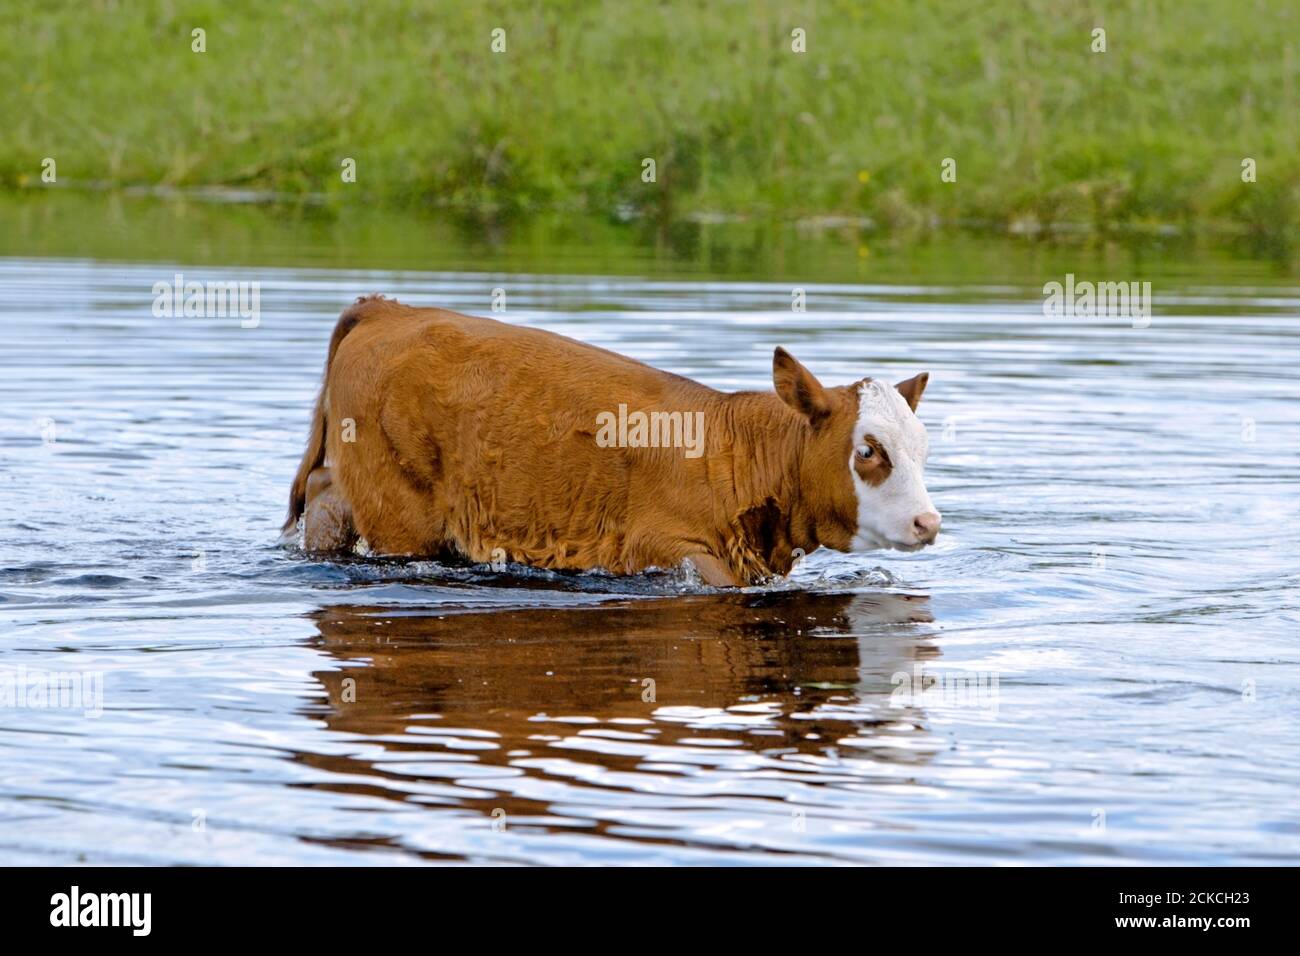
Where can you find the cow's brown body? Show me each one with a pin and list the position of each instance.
(477, 437)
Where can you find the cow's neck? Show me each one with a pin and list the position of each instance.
(766, 440)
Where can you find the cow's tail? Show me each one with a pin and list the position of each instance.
(314, 456)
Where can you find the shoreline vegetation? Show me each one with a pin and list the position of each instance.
(899, 118)
(178, 228)
(219, 195)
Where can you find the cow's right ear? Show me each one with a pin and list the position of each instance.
(798, 387)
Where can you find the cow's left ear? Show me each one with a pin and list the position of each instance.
(911, 389)
(798, 387)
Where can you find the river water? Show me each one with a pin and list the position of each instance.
(1099, 662)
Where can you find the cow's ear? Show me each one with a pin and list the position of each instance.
(798, 387)
(911, 389)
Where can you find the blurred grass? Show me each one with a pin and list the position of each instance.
(957, 265)
(1044, 131)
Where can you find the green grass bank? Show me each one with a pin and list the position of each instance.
(1044, 131)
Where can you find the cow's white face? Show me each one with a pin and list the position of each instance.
(887, 465)
(881, 502)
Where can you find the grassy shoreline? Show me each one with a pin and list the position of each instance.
(1045, 132)
(119, 227)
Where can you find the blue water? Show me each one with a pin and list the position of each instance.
(1099, 662)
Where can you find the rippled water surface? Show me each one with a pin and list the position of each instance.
(1096, 664)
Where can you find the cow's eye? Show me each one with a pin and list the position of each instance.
(865, 451)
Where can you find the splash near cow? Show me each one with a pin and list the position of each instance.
(438, 434)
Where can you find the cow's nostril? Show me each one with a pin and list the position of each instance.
(926, 526)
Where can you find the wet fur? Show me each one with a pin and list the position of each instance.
(478, 437)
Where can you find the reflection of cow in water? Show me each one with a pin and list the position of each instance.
(530, 715)
(828, 658)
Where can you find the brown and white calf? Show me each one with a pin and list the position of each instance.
(437, 433)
